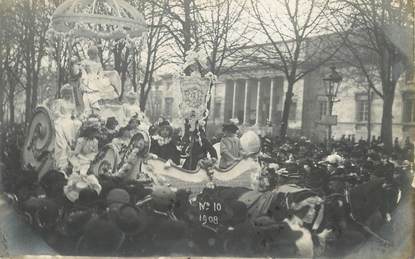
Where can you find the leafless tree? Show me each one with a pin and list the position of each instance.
(294, 44)
(151, 54)
(30, 26)
(381, 41)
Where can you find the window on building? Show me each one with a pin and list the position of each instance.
(217, 108)
(362, 108)
(408, 108)
(168, 107)
(322, 108)
(409, 75)
(293, 111)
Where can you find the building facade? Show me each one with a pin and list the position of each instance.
(256, 97)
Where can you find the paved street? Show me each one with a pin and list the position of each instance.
(17, 238)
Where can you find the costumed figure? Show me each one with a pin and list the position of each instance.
(132, 109)
(109, 131)
(199, 149)
(230, 146)
(163, 146)
(137, 152)
(78, 182)
(95, 84)
(122, 139)
(66, 126)
(86, 146)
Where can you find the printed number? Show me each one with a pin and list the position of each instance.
(209, 219)
(217, 206)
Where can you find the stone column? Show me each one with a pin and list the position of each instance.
(246, 114)
(258, 102)
(234, 100)
(271, 100)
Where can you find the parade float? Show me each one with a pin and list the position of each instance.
(83, 198)
(54, 134)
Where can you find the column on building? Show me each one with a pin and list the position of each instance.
(238, 100)
(271, 101)
(228, 102)
(258, 103)
(246, 103)
(234, 99)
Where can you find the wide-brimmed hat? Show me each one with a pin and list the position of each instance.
(118, 196)
(66, 89)
(101, 237)
(230, 127)
(163, 198)
(75, 221)
(165, 125)
(92, 123)
(333, 159)
(93, 50)
(131, 95)
(131, 220)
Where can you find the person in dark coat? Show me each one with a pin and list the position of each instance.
(163, 145)
(199, 148)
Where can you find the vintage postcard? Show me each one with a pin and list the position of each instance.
(207, 128)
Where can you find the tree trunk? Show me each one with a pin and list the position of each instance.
(34, 93)
(11, 100)
(2, 93)
(28, 104)
(386, 129)
(286, 111)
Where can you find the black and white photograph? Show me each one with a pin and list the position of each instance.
(207, 128)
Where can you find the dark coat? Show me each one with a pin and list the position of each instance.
(198, 152)
(166, 152)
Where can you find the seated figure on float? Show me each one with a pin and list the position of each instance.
(131, 161)
(66, 126)
(96, 84)
(163, 146)
(231, 150)
(86, 147)
(132, 109)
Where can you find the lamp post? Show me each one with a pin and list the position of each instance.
(331, 86)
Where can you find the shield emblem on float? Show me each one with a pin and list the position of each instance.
(194, 94)
(40, 141)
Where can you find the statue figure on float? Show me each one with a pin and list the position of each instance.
(97, 85)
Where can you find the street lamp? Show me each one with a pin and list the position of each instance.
(331, 86)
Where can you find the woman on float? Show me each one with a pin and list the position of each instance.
(95, 85)
(132, 160)
(163, 145)
(86, 146)
(66, 126)
(230, 146)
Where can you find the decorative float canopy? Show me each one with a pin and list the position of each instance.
(104, 19)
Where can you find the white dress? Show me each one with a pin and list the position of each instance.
(66, 130)
(96, 86)
(84, 153)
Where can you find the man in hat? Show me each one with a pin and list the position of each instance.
(230, 146)
(163, 145)
(66, 126)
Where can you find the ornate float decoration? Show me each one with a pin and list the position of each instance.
(113, 20)
(208, 174)
(102, 19)
(195, 89)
